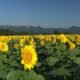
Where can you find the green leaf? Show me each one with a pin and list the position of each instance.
(51, 60)
(3, 74)
(40, 77)
(2, 66)
(77, 60)
(38, 64)
(14, 75)
(32, 76)
(60, 46)
(77, 72)
(74, 52)
(3, 57)
(61, 72)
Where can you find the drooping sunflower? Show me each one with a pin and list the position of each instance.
(71, 45)
(29, 57)
(3, 46)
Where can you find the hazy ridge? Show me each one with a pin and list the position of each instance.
(38, 29)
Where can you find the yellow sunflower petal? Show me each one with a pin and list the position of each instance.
(29, 57)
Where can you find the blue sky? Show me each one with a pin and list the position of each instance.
(46, 13)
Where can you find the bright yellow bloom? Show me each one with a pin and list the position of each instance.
(78, 37)
(3, 46)
(29, 57)
(53, 39)
(71, 45)
(22, 40)
(21, 44)
(77, 43)
(62, 38)
(32, 42)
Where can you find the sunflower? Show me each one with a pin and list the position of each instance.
(32, 42)
(71, 45)
(3, 46)
(16, 45)
(42, 42)
(29, 57)
(62, 38)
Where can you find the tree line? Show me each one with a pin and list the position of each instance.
(11, 32)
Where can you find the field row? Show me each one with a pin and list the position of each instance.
(40, 57)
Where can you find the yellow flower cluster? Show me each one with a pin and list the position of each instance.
(28, 44)
(70, 39)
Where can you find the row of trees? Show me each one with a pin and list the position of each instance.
(9, 32)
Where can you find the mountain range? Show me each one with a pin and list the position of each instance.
(38, 29)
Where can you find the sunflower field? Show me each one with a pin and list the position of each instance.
(40, 57)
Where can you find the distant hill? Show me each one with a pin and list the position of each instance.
(38, 29)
